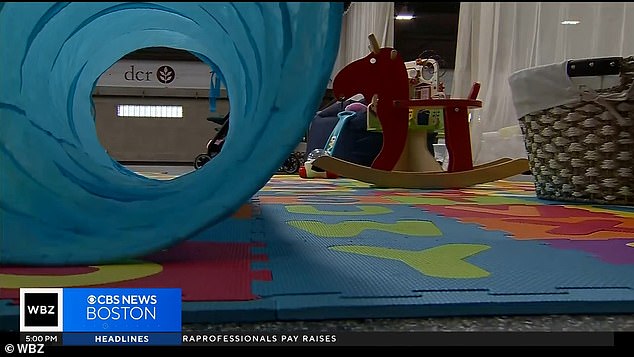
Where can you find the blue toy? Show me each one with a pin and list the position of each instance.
(64, 200)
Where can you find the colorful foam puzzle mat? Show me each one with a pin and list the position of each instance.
(314, 249)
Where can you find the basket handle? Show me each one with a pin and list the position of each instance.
(594, 67)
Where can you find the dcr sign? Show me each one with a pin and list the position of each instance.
(164, 74)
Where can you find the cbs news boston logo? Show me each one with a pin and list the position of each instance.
(110, 314)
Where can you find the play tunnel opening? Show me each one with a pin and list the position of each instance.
(160, 107)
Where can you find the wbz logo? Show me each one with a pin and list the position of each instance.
(41, 310)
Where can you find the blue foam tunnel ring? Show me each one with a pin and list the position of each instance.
(64, 200)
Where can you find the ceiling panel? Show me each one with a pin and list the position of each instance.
(434, 28)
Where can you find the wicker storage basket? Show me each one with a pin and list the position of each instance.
(584, 152)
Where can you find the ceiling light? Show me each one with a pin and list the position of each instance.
(404, 14)
(570, 22)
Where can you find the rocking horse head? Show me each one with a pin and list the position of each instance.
(381, 72)
(380, 75)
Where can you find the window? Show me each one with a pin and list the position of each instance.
(149, 111)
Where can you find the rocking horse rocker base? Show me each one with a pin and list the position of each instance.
(491, 171)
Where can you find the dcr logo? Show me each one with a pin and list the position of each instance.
(165, 74)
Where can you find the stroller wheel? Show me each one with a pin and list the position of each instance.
(291, 165)
(200, 160)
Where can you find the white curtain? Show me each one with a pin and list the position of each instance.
(496, 39)
(360, 20)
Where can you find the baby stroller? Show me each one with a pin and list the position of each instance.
(290, 166)
(215, 144)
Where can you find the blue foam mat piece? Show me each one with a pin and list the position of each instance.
(230, 312)
(303, 264)
(331, 307)
(9, 316)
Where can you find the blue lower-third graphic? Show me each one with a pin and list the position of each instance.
(122, 310)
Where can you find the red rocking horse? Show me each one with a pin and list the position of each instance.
(382, 75)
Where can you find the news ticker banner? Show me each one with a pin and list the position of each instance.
(152, 317)
(47, 342)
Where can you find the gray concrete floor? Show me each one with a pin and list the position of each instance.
(549, 323)
(183, 169)
(162, 169)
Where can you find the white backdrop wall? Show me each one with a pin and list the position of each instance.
(496, 39)
(360, 20)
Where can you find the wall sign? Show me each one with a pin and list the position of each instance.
(158, 74)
